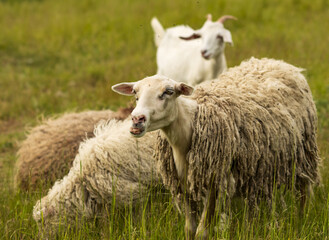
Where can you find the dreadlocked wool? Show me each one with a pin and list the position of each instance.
(111, 165)
(49, 149)
(254, 130)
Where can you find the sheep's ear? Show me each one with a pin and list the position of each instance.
(124, 88)
(184, 89)
(227, 37)
(193, 36)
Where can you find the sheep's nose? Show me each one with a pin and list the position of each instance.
(203, 52)
(138, 119)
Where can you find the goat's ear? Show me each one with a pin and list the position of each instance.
(193, 36)
(124, 88)
(184, 89)
(227, 37)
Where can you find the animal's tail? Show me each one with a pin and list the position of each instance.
(158, 31)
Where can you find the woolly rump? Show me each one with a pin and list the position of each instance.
(257, 123)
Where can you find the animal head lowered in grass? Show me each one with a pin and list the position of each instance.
(213, 36)
(156, 105)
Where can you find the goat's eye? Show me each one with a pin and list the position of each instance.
(220, 38)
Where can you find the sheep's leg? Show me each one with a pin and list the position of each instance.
(302, 200)
(207, 215)
(190, 217)
(305, 192)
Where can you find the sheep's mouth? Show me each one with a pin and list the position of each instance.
(137, 131)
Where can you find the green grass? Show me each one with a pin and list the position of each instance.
(63, 55)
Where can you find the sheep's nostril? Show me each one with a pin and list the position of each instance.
(138, 119)
(203, 52)
(142, 118)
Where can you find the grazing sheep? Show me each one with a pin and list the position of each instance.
(245, 134)
(195, 61)
(49, 150)
(111, 164)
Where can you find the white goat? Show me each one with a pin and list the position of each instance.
(195, 61)
(236, 135)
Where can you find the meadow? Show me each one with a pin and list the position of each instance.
(61, 56)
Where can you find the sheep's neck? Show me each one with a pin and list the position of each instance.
(179, 133)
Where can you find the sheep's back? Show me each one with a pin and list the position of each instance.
(49, 149)
(115, 161)
(264, 114)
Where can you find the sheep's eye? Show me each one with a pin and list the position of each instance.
(167, 92)
(134, 92)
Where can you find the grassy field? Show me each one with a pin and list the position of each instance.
(63, 55)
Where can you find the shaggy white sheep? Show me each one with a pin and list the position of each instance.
(111, 164)
(194, 61)
(249, 132)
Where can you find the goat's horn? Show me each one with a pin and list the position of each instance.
(209, 17)
(222, 19)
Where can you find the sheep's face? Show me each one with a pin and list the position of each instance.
(156, 105)
(43, 210)
(213, 36)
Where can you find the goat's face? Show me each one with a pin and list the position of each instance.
(156, 105)
(213, 36)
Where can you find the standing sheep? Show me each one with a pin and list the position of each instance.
(245, 134)
(49, 150)
(110, 165)
(195, 61)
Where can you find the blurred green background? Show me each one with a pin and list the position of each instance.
(63, 55)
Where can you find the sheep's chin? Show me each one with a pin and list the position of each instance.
(137, 132)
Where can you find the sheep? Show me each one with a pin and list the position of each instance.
(111, 165)
(195, 61)
(248, 132)
(49, 150)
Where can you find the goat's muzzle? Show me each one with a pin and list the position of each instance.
(205, 54)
